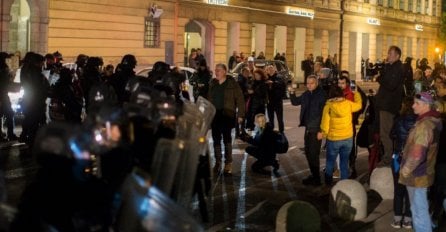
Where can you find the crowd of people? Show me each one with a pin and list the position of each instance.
(104, 128)
(402, 129)
(401, 125)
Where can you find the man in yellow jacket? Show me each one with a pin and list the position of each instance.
(337, 127)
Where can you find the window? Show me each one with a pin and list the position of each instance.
(418, 10)
(366, 1)
(426, 6)
(152, 32)
(401, 4)
(390, 3)
(380, 2)
(434, 7)
(410, 6)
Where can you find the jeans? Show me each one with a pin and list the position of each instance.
(420, 209)
(343, 148)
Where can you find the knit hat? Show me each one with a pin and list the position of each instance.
(425, 97)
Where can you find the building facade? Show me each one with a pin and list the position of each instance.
(168, 30)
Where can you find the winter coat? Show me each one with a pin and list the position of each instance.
(265, 140)
(401, 129)
(420, 151)
(259, 97)
(336, 121)
(233, 98)
(390, 93)
(243, 83)
(312, 104)
(276, 90)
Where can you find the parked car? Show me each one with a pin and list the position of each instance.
(282, 70)
(281, 67)
(190, 74)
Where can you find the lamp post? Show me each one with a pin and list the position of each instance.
(341, 30)
(437, 51)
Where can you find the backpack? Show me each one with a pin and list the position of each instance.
(281, 143)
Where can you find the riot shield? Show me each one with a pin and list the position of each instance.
(203, 112)
(207, 109)
(145, 208)
(188, 126)
(165, 163)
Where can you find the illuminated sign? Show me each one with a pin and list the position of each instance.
(300, 12)
(373, 21)
(418, 27)
(217, 2)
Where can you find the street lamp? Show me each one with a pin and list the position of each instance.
(437, 50)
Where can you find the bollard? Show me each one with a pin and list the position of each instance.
(348, 200)
(298, 216)
(381, 181)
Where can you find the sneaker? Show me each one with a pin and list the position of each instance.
(396, 224)
(407, 225)
(228, 168)
(336, 174)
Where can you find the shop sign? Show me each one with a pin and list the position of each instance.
(300, 12)
(217, 2)
(418, 27)
(373, 21)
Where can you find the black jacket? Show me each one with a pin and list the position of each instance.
(260, 96)
(390, 92)
(401, 129)
(276, 90)
(312, 104)
(307, 67)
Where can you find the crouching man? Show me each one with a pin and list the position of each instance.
(262, 146)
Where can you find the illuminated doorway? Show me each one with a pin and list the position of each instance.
(199, 34)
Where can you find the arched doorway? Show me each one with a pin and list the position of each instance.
(19, 27)
(38, 24)
(199, 34)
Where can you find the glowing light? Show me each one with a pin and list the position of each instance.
(418, 27)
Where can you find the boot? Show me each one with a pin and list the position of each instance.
(228, 169)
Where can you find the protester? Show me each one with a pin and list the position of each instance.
(401, 204)
(419, 157)
(262, 146)
(227, 97)
(388, 100)
(312, 102)
(336, 126)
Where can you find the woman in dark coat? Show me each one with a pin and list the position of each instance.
(258, 97)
